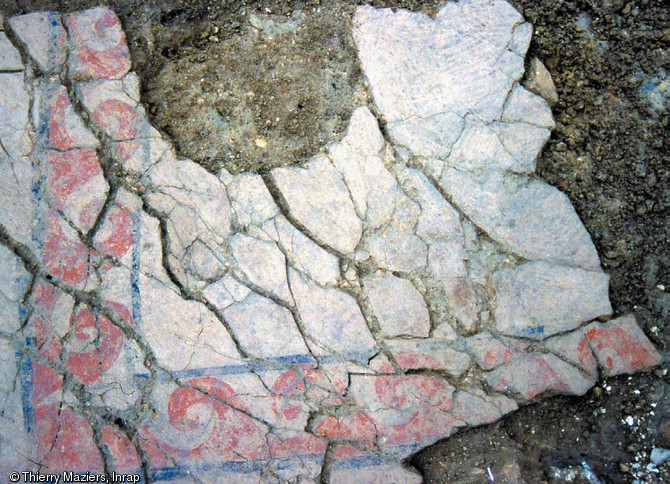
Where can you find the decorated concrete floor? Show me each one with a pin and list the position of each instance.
(319, 322)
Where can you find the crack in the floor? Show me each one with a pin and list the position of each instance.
(285, 210)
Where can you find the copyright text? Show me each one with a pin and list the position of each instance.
(67, 477)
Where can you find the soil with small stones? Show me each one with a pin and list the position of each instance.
(248, 85)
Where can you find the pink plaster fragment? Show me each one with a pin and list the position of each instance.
(98, 45)
(620, 346)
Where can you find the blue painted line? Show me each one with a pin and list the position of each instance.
(26, 375)
(371, 461)
(246, 467)
(533, 330)
(247, 368)
(135, 295)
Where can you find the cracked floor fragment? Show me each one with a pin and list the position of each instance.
(316, 323)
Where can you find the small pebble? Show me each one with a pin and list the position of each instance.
(659, 455)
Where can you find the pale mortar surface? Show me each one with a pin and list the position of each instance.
(317, 323)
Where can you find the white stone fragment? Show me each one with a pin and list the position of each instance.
(250, 200)
(13, 285)
(526, 216)
(398, 306)
(427, 74)
(332, 319)
(319, 199)
(146, 250)
(363, 135)
(17, 201)
(183, 334)
(438, 220)
(265, 329)
(202, 262)
(521, 35)
(262, 263)
(304, 255)
(446, 260)
(526, 107)
(10, 60)
(395, 250)
(428, 354)
(65, 130)
(479, 147)
(44, 37)
(114, 106)
(535, 374)
(198, 209)
(396, 247)
(14, 104)
(97, 45)
(476, 407)
(539, 299)
(659, 455)
(356, 157)
(431, 137)
(225, 292)
(523, 142)
(418, 66)
(82, 204)
(574, 347)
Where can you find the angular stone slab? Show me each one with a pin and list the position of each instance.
(14, 103)
(262, 263)
(17, 203)
(620, 346)
(44, 37)
(419, 67)
(198, 210)
(408, 316)
(12, 289)
(115, 106)
(250, 200)
(488, 351)
(429, 354)
(475, 407)
(318, 198)
(317, 323)
(76, 186)
(574, 347)
(358, 159)
(539, 299)
(525, 107)
(530, 375)
(527, 216)
(405, 409)
(266, 329)
(332, 319)
(66, 129)
(396, 246)
(97, 45)
(10, 59)
(303, 254)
